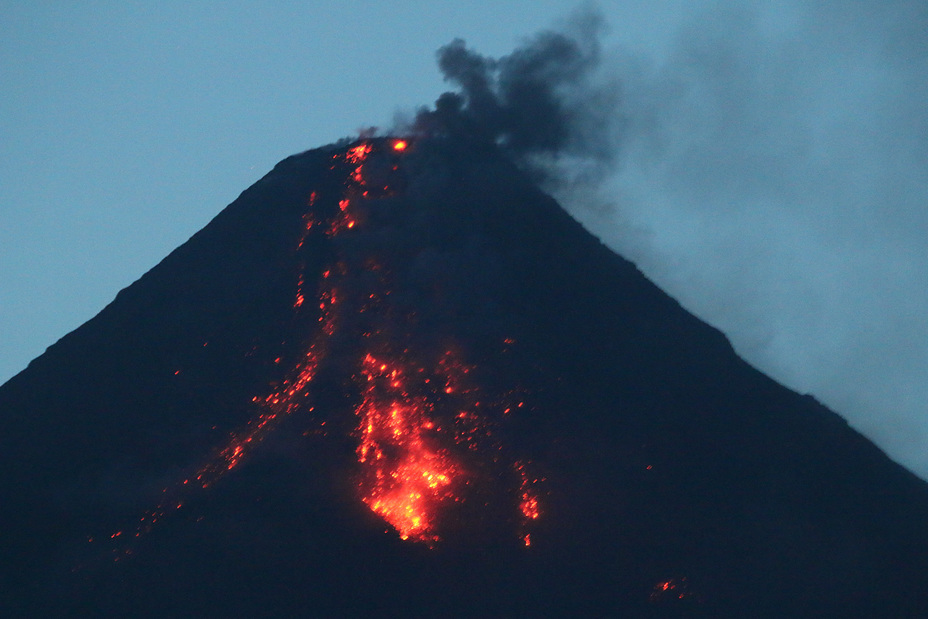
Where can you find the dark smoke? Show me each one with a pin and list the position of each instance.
(546, 104)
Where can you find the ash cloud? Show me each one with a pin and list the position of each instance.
(775, 180)
(547, 104)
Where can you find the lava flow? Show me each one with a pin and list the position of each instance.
(407, 476)
(410, 464)
(423, 444)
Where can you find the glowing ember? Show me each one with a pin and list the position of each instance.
(529, 506)
(528, 500)
(300, 299)
(670, 590)
(400, 145)
(406, 476)
(359, 153)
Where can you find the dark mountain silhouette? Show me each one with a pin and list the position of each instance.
(399, 379)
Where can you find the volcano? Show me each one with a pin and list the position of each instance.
(395, 377)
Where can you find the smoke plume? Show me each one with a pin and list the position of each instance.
(546, 104)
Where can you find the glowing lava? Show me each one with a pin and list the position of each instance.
(410, 467)
(670, 590)
(358, 153)
(528, 504)
(406, 476)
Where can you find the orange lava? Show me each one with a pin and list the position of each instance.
(672, 589)
(406, 477)
(410, 468)
(358, 153)
(529, 506)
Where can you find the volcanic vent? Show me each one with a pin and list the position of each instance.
(395, 376)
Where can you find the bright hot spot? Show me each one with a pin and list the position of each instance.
(406, 477)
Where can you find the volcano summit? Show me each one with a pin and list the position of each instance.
(395, 377)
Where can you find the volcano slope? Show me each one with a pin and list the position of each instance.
(396, 377)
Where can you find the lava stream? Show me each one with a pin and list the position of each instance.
(406, 477)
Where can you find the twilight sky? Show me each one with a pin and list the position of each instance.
(772, 170)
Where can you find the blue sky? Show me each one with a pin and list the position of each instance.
(772, 172)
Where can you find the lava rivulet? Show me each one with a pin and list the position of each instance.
(407, 475)
(419, 427)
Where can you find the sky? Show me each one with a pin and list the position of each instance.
(770, 169)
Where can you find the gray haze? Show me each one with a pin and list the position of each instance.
(774, 178)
